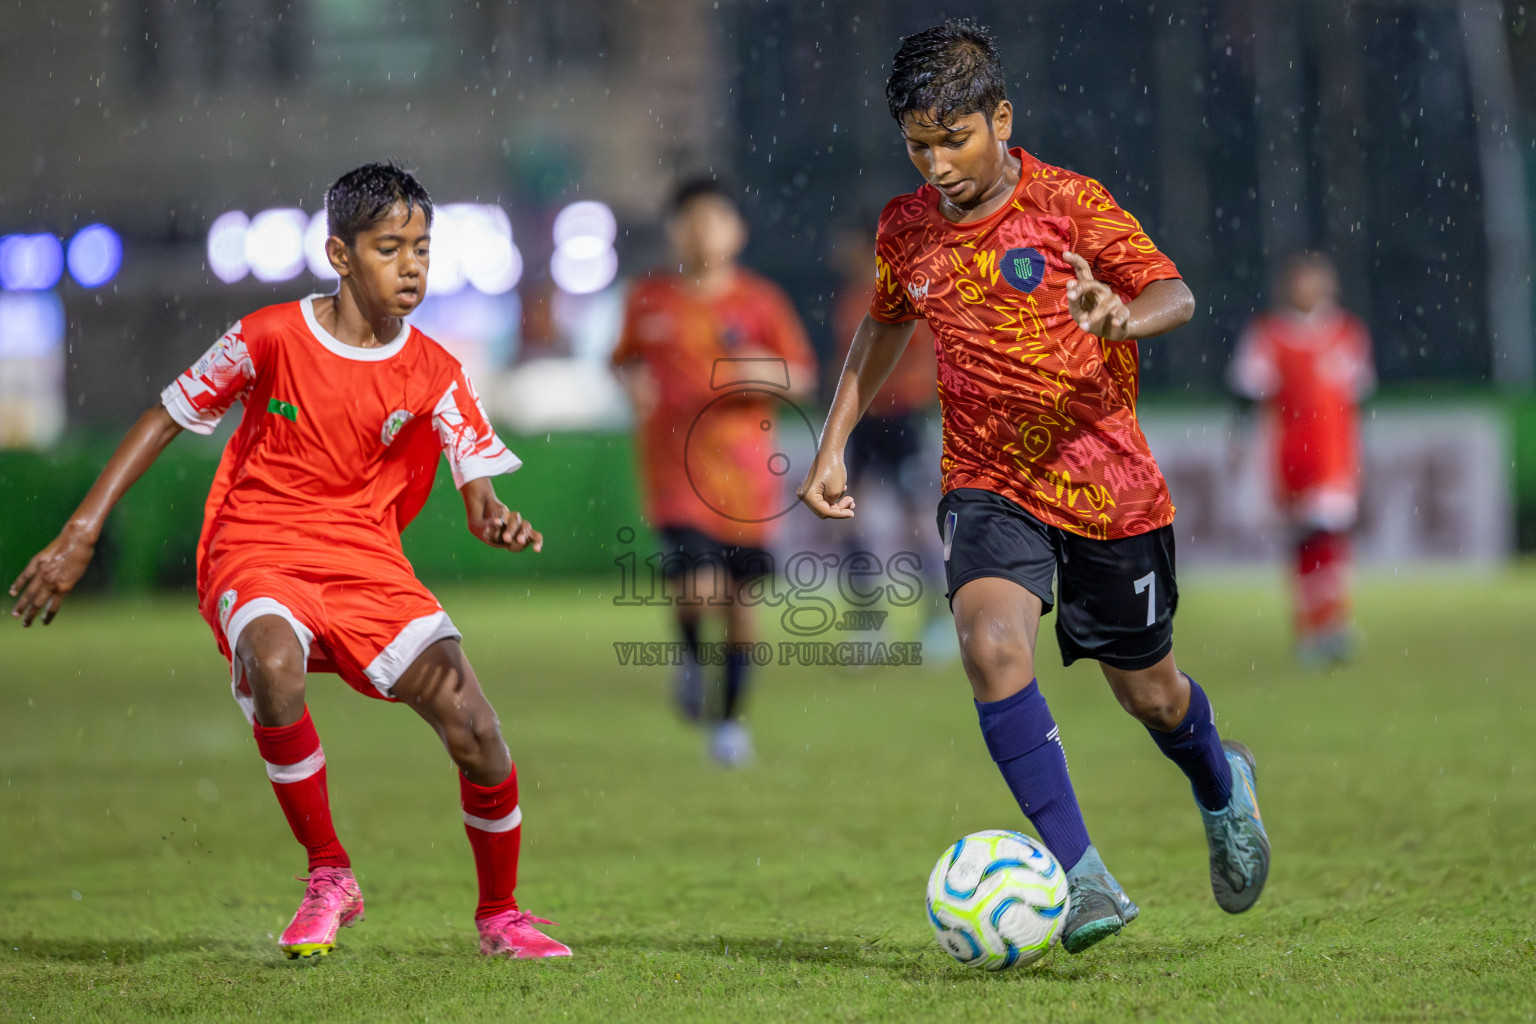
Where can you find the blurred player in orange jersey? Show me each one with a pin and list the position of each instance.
(1309, 363)
(347, 409)
(709, 354)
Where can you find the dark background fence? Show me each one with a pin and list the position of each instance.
(1395, 135)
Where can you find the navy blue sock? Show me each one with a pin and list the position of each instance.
(1023, 739)
(1195, 747)
(736, 663)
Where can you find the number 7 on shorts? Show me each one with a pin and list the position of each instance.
(1149, 584)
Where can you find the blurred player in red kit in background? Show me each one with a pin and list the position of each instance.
(1309, 363)
(708, 354)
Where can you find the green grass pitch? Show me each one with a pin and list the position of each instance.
(145, 869)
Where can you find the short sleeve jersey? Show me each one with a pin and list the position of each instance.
(334, 438)
(721, 366)
(1312, 371)
(1035, 409)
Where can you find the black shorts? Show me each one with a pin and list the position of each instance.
(684, 549)
(1117, 596)
(880, 446)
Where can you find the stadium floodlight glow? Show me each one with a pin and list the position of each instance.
(445, 272)
(472, 244)
(496, 268)
(586, 219)
(226, 246)
(31, 324)
(94, 255)
(274, 245)
(491, 262)
(584, 261)
(583, 265)
(30, 263)
(314, 247)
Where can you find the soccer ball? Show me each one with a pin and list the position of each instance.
(997, 900)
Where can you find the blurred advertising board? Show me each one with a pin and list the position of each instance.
(1435, 486)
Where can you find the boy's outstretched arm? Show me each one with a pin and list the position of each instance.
(493, 522)
(876, 348)
(53, 572)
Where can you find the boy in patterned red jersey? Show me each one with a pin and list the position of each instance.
(299, 565)
(1037, 285)
(1309, 363)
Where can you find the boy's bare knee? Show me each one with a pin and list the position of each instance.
(1155, 706)
(1157, 697)
(476, 746)
(268, 648)
(273, 661)
(992, 647)
(1155, 711)
(278, 667)
(442, 688)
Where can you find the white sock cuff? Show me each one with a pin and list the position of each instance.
(284, 774)
(503, 824)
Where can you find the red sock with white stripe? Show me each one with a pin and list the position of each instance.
(296, 766)
(1322, 590)
(493, 821)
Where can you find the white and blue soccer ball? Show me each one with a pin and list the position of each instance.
(997, 900)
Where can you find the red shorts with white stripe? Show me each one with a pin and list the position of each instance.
(357, 609)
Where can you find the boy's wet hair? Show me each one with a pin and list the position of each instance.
(364, 196)
(946, 72)
(690, 189)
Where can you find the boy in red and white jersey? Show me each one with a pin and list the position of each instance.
(1309, 363)
(299, 565)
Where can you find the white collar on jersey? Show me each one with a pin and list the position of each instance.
(341, 348)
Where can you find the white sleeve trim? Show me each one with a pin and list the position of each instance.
(226, 362)
(470, 456)
(1252, 373)
(477, 466)
(181, 410)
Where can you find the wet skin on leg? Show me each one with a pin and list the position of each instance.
(273, 662)
(998, 622)
(442, 688)
(1157, 696)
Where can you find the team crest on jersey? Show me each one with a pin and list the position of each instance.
(226, 605)
(919, 292)
(1023, 268)
(393, 425)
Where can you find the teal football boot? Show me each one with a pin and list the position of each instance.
(1236, 838)
(1098, 907)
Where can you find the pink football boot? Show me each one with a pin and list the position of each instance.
(512, 934)
(332, 900)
